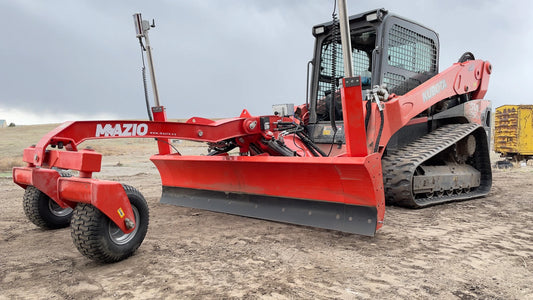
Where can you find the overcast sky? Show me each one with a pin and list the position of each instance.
(78, 60)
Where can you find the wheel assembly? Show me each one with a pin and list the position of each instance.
(44, 212)
(100, 239)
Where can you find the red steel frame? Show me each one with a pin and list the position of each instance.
(353, 177)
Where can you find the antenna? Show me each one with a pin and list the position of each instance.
(141, 30)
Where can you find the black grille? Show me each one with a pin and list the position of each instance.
(397, 84)
(361, 65)
(411, 55)
(411, 51)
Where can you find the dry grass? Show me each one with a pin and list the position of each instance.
(7, 163)
(13, 140)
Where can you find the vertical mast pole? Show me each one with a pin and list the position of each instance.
(141, 28)
(151, 67)
(345, 39)
(351, 94)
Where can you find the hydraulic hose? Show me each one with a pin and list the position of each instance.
(312, 146)
(334, 40)
(376, 147)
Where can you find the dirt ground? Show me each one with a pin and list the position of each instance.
(479, 249)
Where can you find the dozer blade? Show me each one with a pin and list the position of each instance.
(339, 193)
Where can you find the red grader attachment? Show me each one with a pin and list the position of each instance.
(423, 147)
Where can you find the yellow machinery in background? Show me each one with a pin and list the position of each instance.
(513, 134)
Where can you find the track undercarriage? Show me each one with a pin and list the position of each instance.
(449, 164)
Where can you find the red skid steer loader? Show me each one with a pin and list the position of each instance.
(380, 125)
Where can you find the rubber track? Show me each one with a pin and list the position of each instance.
(399, 166)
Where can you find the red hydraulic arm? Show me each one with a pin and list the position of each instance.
(461, 78)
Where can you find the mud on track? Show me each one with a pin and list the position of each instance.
(467, 250)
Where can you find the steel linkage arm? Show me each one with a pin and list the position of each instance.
(108, 196)
(71, 134)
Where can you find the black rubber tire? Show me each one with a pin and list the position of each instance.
(92, 231)
(44, 212)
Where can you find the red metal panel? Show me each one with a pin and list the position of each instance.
(75, 190)
(22, 176)
(83, 160)
(484, 84)
(108, 196)
(162, 143)
(28, 155)
(354, 120)
(45, 180)
(350, 180)
(475, 109)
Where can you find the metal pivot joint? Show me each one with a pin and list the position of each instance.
(379, 94)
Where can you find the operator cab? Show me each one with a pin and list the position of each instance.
(386, 49)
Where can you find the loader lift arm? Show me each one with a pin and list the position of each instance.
(470, 77)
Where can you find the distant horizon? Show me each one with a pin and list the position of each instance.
(20, 117)
(25, 118)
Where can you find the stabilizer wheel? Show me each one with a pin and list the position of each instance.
(44, 212)
(99, 239)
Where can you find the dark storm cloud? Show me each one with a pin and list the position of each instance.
(214, 58)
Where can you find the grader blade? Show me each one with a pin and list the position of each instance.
(339, 193)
